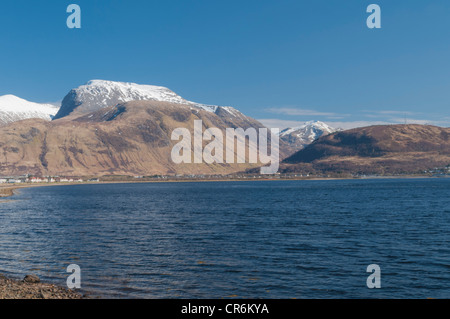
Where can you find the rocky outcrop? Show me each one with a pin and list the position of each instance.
(31, 288)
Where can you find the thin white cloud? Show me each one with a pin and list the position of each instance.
(389, 112)
(345, 125)
(354, 124)
(283, 124)
(300, 112)
(404, 120)
(395, 113)
(445, 122)
(57, 103)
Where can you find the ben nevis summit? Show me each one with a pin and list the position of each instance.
(112, 128)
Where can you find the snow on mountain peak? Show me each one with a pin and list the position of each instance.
(129, 91)
(300, 136)
(12, 103)
(98, 94)
(13, 108)
(309, 126)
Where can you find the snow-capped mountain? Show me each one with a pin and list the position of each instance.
(299, 137)
(13, 108)
(98, 94)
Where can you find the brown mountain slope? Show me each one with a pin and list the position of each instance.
(130, 138)
(375, 149)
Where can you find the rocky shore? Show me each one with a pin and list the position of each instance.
(31, 288)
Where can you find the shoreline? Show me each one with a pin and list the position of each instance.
(7, 191)
(32, 288)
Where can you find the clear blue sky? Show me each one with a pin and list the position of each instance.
(282, 61)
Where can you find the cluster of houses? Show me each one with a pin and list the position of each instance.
(34, 179)
(440, 171)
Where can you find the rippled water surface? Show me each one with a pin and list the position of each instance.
(284, 239)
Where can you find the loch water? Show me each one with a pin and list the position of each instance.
(255, 239)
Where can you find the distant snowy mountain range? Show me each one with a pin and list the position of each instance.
(98, 94)
(299, 137)
(115, 128)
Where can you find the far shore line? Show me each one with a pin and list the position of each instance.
(8, 190)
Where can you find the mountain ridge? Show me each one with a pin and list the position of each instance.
(124, 128)
(379, 149)
(97, 94)
(298, 137)
(131, 138)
